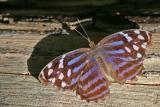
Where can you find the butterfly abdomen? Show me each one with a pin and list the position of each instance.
(105, 68)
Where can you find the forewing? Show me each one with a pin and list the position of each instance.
(92, 84)
(64, 71)
(126, 51)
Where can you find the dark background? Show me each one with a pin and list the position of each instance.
(81, 7)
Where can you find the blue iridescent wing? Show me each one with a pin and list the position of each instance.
(64, 71)
(126, 51)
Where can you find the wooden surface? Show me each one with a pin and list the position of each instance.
(17, 90)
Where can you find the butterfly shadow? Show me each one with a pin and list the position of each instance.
(53, 45)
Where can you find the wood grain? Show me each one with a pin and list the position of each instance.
(17, 90)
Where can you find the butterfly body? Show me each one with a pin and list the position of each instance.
(90, 71)
(105, 67)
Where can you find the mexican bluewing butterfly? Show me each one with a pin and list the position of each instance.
(90, 71)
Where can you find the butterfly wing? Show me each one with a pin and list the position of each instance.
(126, 51)
(64, 71)
(78, 71)
(92, 85)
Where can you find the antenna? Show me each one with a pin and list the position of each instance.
(83, 28)
(91, 43)
(81, 34)
(86, 37)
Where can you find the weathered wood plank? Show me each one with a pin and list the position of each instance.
(26, 91)
(24, 43)
(13, 63)
(18, 90)
(19, 43)
(16, 50)
(32, 26)
(17, 63)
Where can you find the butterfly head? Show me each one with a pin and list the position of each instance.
(91, 44)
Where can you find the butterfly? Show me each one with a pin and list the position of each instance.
(90, 71)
